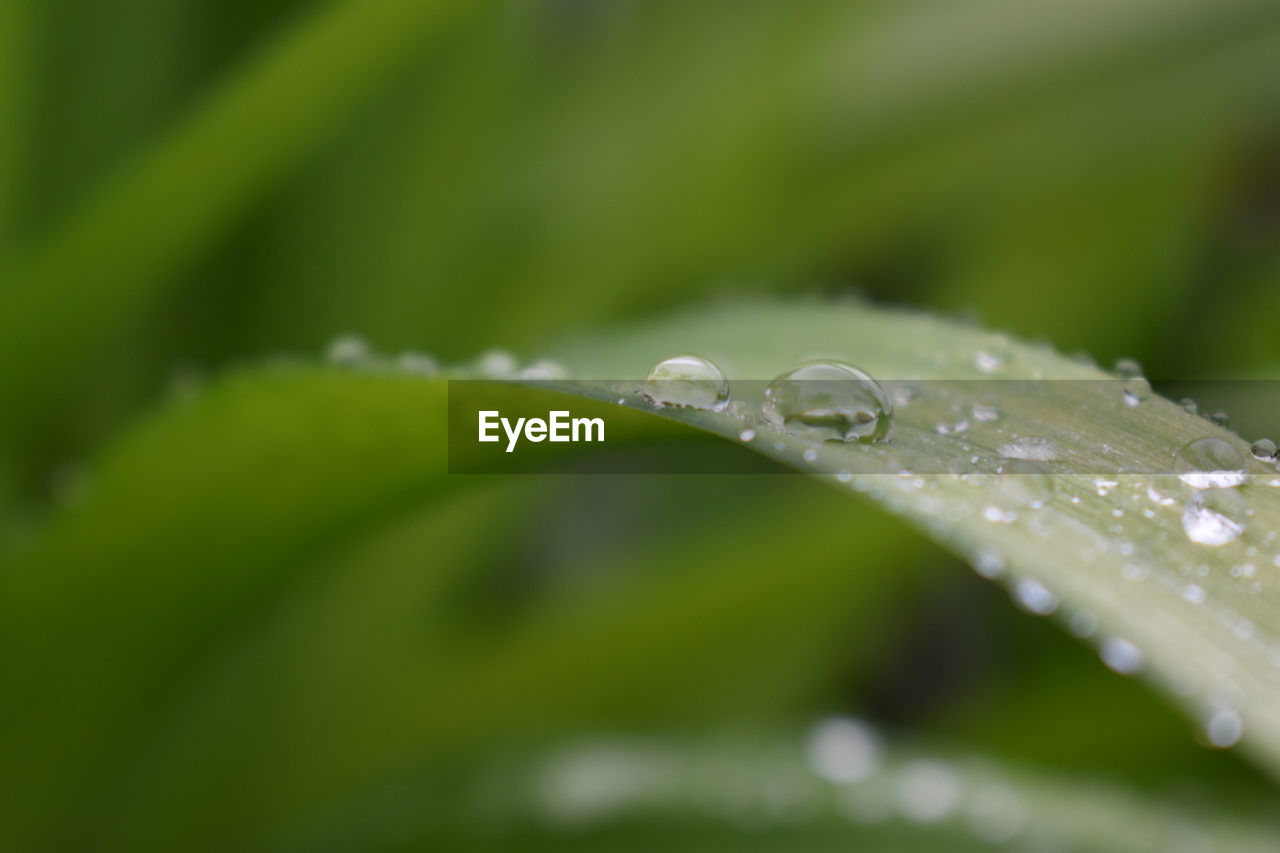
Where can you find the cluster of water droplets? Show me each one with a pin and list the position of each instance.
(355, 353)
(817, 402)
(844, 768)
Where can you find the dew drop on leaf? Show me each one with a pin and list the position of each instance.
(1224, 729)
(1210, 463)
(417, 363)
(687, 381)
(1035, 597)
(1214, 517)
(497, 364)
(843, 750)
(829, 401)
(1263, 448)
(1039, 449)
(1121, 656)
(545, 369)
(347, 350)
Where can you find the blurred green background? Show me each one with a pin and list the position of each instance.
(189, 187)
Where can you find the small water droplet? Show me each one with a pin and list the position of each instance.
(810, 455)
(1189, 406)
(1038, 449)
(545, 369)
(989, 562)
(1035, 596)
(1224, 729)
(985, 409)
(497, 364)
(687, 381)
(926, 790)
(1214, 517)
(1135, 391)
(1263, 448)
(988, 362)
(1210, 463)
(747, 435)
(1121, 656)
(417, 363)
(829, 401)
(1194, 593)
(347, 350)
(1222, 419)
(1127, 368)
(843, 751)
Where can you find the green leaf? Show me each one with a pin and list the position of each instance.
(168, 626)
(1202, 617)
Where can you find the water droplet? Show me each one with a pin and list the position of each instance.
(1194, 593)
(1263, 448)
(347, 350)
(1165, 490)
(926, 790)
(1189, 406)
(497, 364)
(417, 363)
(1135, 391)
(1035, 596)
(1214, 517)
(1027, 482)
(1222, 419)
(987, 361)
(1121, 655)
(688, 381)
(989, 562)
(1039, 449)
(1224, 729)
(545, 369)
(1210, 463)
(810, 455)
(985, 409)
(747, 435)
(843, 750)
(829, 401)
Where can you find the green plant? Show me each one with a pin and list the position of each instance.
(245, 606)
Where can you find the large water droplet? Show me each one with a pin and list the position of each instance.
(1263, 448)
(1214, 517)
(829, 401)
(1210, 463)
(689, 381)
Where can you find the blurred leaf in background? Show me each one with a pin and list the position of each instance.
(248, 609)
